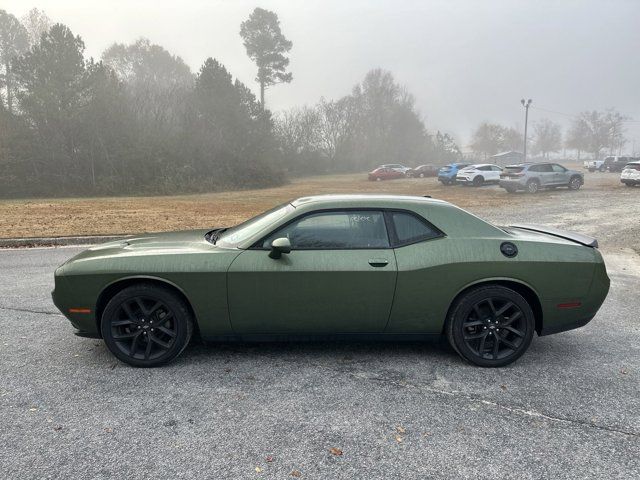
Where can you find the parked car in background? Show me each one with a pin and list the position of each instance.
(630, 175)
(396, 166)
(447, 174)
(384, 173)
(479, 174)
(594, 165)
(532, 177)
(423, 171)
(616, 164)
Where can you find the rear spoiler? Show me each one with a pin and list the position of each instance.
(574, 237)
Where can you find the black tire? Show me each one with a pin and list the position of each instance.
(510, 190)
(146, 325)
(421, 175)
(533, 186)
(601, 169)
(575, 183)
(494, 316)
(446, 183)
(378, 179)
(478, 181)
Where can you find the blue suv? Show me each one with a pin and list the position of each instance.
(447, 174)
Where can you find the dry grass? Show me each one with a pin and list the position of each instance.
(102, 216)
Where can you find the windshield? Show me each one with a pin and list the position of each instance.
(238, 234)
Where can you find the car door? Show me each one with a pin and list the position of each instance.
(495, 173)
(546, 174)
(560, 175)
(338, 278)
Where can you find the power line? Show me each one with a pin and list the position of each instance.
(631, 121)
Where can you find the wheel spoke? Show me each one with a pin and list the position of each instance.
(514, 330)
(171, 333)
(122, 336)
(160, 321)
(504, 308)
(491, 306)
(481, 347)
(122, 323)
(141, 306)
(154, 308)
(509, 344)
(147, 351)
(513, 317)
(473, 323)
(475, 336)
(496, 346)
(127, 310)
(159, 342)
(134, 344)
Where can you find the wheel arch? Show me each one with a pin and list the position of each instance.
(519, 286)
(113, 288)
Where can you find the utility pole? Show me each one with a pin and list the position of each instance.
(526, 104)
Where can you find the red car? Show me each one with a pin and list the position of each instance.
(382, 173)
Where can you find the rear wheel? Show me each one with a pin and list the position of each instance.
(575, 183)
(490, 326)
(533, 186)
(478, 181)
(146, 325)
(510, 190)
(378, 179)
(421, 175)
(601, 169)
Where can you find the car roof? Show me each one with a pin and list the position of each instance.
(481, 165)
(334, 200)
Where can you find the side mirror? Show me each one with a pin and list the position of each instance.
(279, 246)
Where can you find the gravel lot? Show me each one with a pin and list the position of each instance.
(568, 409)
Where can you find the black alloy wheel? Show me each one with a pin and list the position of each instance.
(533, 186)
(146, 325)
(491, 326)
(575, 183)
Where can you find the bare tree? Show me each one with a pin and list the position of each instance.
(36, 22)
(547, 137)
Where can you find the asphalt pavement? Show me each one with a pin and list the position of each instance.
(568, 409)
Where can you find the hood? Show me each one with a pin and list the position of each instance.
(149, 243)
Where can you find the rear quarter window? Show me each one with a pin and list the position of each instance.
(411, 229)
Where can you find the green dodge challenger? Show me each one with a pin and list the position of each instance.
(336, 266)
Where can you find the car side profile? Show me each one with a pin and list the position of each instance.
(630, 174)
(422, 171)
(396, 166)
(336, 266)
(533, 177)
(479, 174)
(384, 173)
(447, 174)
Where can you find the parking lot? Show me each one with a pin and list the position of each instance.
(569, 408)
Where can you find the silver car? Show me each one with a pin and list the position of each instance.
(532, 177)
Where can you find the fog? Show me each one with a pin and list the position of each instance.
(464, 61)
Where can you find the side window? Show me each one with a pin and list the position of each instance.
(558, 168)
(534, 168)
(410, 229)
(496, 168)
(485, 168)
(545, 168)
(335, 230)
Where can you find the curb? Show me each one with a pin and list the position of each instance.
(57, 241)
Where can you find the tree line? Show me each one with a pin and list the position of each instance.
(591, 132)
(139, 121)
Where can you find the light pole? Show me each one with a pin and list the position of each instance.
(526, 104)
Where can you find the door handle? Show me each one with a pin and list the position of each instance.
(378, 262)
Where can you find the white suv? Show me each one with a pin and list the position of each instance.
(630, 175)
(479, 174)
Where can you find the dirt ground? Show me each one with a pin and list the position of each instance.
(125, 215)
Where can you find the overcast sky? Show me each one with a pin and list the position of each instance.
(464, 60)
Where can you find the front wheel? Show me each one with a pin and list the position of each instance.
(533, 186)
(575, 183)
(146, 325)
(490, 326)
(478, 181)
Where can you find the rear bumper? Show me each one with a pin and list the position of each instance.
(512, 184)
